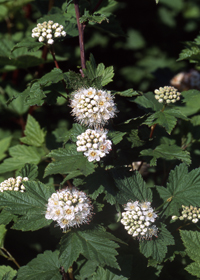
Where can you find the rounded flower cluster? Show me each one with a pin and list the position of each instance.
(138, 220)
(69, 208)
(13, 184)
(48, 31)
(190, 213)
(94, 144)
(92, 107)
(167, 94)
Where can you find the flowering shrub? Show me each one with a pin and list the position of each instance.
(99, 180)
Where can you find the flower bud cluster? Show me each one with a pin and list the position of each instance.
(167, 94)
(47, 31)
(13, 184)
(94, 144)
(92, 107)
(138, 220)
(190, 213)
(69, 208)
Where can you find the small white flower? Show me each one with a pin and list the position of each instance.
(92, 155)
(50, 41)
(41, 39)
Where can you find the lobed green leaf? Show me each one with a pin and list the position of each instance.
(20, 155)
(182, 189)
(132, 187)
(168, 152)
(7, 273)
(44, 266)
(157, 248)
(34, 135)
(107, 274)
(67, 160)
(31, 205)
(94, 245)
(191, 240)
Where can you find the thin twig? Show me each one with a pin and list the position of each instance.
(10, 257)
(51, 49)
(81, 27)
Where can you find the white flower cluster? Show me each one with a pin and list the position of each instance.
(69, 208)
(94, 144)
(189, 213)
(92, 107)
(48, 31)
(167, 94)
(138, 219)
(13, 184)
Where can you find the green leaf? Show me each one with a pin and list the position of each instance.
(191, 241)
(20, 155)
(34, 135)
(30, 205)
(29, 170)
(116, 136)
(131, 187)
(135, 139)
(107, 274)
(182, 189)
(166, 119)
(31, 45)
(20, 57)
(86, 269)
(67, 160)
(7, 272)
(72, 134)
(92, 244)
(35, 94)
(128, 93)
(157, 249)
(4, 145)
(191, 101)
(6, 217)
(99, 73)
(95, 17)
(45, 266)
(16, 102)
(148, 101)
(191, 52)
(3, 231)
(168, 152)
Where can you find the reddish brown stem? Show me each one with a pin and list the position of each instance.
(152, 130)
(57, 66)
(54, 57)
(81, 27)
